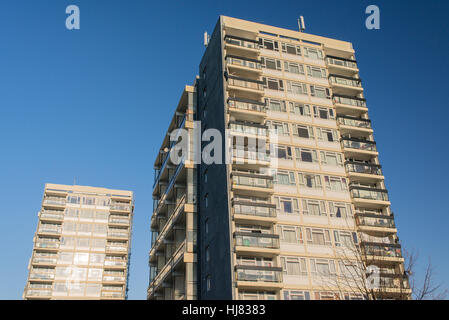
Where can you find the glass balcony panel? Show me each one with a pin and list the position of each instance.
(252, 181)
(259, 275)
(247, 209)
(245, 84)
(243, 63)
(366, 146)
(342, 62)
(346, 82)
(254, 241)
(369, 194)
(349, 101)
(246, 106)
(242, 43)
(363, 168)
(376, 222)
(355, 123)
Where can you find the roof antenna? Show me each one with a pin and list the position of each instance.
(301, 24)
(74, 181)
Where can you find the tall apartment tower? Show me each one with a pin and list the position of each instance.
(301, 214)
(82, 244)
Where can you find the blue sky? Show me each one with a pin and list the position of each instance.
(94, 105)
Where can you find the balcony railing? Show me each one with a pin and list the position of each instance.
(359, 144)
(246, 128)
(242, 42)
(42, 276)
(346, 81)
(116, 248)
(368, 193)
(50, 230)
(38, 293)
(114, 278)
(50, 245)
(118, 221)
(341, 62)
(245, 83)
(55, 200)
(373, 220)
(115, 263)
(52, 215)
(255, 209)
(250, 154)
(354, 122)
(365, 168)
(43, 260)
(258, 274)
(393, 281)
(243, 62)
(259, 240)
(121, 207)
(112, 294)
(381, 249)
(350, 101)
(252, 180)
(118, 234)
(246, 104)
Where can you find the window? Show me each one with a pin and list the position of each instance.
(283, 152)
(326, 296)
(340, 209)
(313, 53)
(89, 201)
(284, 178)
(303, 131)
(290, 234)
(280, 128)
(313, 207)
(309, 180)
(293, 67)
(206, 225)
(306, 155)
(296, 87)
(268, 44)
(206, 200)
(316, 72)
(335, 183)
(320, 237)
(324, 134)
(323, 113)
(294, 266)
(291, 49)
(320, 92)
(345, 239)
(208, 283)
(269, 63)
(296, 295)
(331, 159)
(205, 176)
(275, 105)
(207, 254)
(81, 258)
(73, 199)
(273, 84)
(287, 205)
(322, 267)
(299, 108)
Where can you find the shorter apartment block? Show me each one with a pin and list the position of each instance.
(82, 244)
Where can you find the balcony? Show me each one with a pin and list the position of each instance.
(123, 221)
(114, 295)
(246, 129)
(393, 282)
(52, 215)
(363, 172)
(349, 105)
(350, 124)
(358, 148)
(241, 44)
(375, 222)
(47, 245)
(49, 230)
(116, 248)
(254, 210)
(115, 263)
(345, 85)
(109, 278)
(341, 64)
(256, 240)
(250, 158)
(44, 260)
(41, 276)
(247, 109)
(258, 273)
(381, 250)
(251, 183)
(54, 201)
(115, 234)
(120, 207)
(248, 88)
(369, 197)
(39, 292)
(245, 66)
